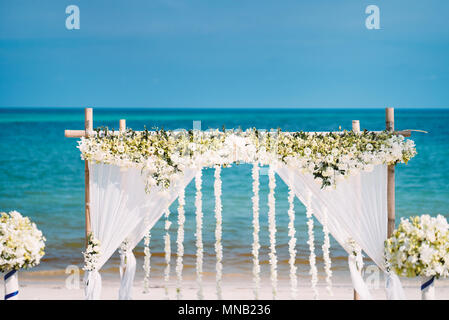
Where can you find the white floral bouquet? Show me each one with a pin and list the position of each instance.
(419, 247)
(21, 242)
(92, 254)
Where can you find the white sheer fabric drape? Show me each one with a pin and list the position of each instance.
(356, 209)
(158, 206)
(119, 206)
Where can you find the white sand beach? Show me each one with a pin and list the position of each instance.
(54, 287)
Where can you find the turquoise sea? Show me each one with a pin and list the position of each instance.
(42, 176)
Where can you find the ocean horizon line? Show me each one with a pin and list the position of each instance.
(248, 108)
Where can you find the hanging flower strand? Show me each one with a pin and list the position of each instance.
(146, 262)
(179, 241)
(199, 236)
(167, 251)
(272, 230)
(312, 258)
(218, 231)
(256, 245)
(292, 243)
(326, 254)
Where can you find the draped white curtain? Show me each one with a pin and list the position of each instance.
(121, 209)
(158, 206)
(356, 209)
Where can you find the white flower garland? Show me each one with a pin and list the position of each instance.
(179, 242)
(163, 155)
(146, 262)
(199, 235)
(312, 258)
(326, 254)
(167, 251)
(218, 231)
(92, 254)
(256, 245)
(272, 230)
(292, 243)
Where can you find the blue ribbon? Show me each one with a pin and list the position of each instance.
(10, 295)
(10, 274)
(427, 283)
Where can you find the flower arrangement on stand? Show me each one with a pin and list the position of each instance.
(22, 246)
(419, 247)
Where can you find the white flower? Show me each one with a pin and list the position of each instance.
(21, 243)
(177, 151)
(272, 231)
(419, 246)
(312, 257)
(426, 254)
(92, 254)
(179, 241)
(198, 234)
(292, 242)
(218, 230)
(256, 228)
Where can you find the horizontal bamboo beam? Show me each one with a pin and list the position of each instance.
(82, 133)
(74, 133)
(405, 133)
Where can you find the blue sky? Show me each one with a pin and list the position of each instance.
(224, 53)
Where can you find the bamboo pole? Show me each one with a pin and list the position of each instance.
(122, 125)
(74, 133)
(88, 124)
(389, 124)
(356, 125)
(356, 128)
(122, 128)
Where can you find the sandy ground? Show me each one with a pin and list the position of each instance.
(62, 287)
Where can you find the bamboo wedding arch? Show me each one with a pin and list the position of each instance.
(389, 124)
